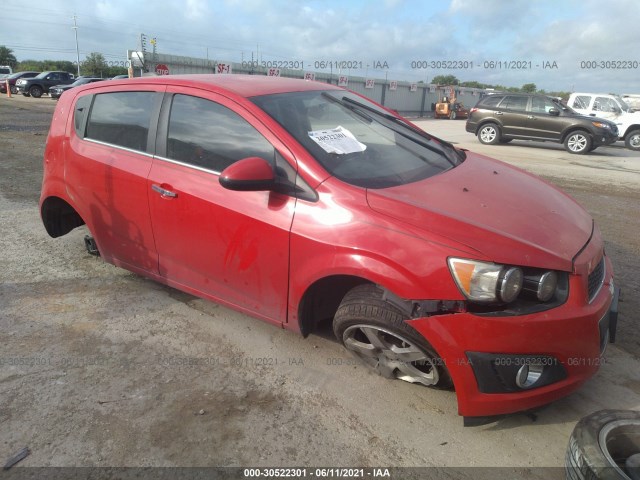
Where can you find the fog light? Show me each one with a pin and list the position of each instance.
(528, 375)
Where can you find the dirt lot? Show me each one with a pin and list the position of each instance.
(100, 367)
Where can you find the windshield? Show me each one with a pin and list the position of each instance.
(357, 141)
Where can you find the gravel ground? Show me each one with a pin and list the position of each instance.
(101, 367)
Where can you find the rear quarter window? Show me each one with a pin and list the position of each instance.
(121, 118)
(80, 114)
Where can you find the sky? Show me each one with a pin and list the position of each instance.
(559, 45)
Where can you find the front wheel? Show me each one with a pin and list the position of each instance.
(632, 140)
(489, 134)
(35, 91)
(376, 333)
(577, 142)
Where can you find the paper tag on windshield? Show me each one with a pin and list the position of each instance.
(337, 140)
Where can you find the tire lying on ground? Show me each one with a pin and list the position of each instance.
(605, 446)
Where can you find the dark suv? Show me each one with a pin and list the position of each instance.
(500, 118)
(38, 85)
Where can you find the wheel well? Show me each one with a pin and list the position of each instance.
(631, 129)
(322, 299)
(574, 130)
(59, 217)
(490, 121)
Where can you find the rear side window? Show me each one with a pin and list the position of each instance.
(208, 135)
(492, 101)
(581, 102)
(121, 118)
(512, 102)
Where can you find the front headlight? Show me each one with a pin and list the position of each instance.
(486, 282)
(601, 125)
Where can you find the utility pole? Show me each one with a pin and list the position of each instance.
(75, 29)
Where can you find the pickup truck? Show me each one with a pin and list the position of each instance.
(40, 84)
(611, 107)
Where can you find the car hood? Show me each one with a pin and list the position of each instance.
(506, 214)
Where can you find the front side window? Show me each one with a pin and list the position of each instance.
(208, 135)
(357, 141)
(121, 118)
(605, 104)
(541, 105)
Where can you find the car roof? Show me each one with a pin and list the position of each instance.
(242, 85)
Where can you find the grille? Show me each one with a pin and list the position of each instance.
(595, 280)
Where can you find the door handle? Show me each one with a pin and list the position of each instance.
(531, 117)
(164, 192)
(498, 113)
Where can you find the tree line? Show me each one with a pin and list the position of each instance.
(451, 80)
(94, 65)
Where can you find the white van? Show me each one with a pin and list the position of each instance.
(5, 71)
(611, 107)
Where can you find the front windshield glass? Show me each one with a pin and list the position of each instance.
(357, 141)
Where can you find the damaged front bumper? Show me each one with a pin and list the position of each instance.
(507, 364)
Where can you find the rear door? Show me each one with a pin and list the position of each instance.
(228, 245)
(110, 153)
(514, 115)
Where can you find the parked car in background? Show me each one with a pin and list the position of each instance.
(5, 70)
(434, 265)
(41, 84)
(500, 118)
(119, 77)
(58, 90)
(613, 108)
(13, 78)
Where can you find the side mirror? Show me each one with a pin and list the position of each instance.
(248, 175)
(554, 112)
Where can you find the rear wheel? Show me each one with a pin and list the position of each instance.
(376, 333)
(578, 142)
(14, 90)
(35, 91)
(489, 134)
(632, 140)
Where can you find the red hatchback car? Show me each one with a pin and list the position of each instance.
(299, 202)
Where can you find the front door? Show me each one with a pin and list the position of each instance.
(228, 245)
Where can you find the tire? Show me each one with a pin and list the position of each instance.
(578, 142)
(14, 90)
(601, 444)
(489, 134)
(632, 140)
(376, 332)
(35, 91)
